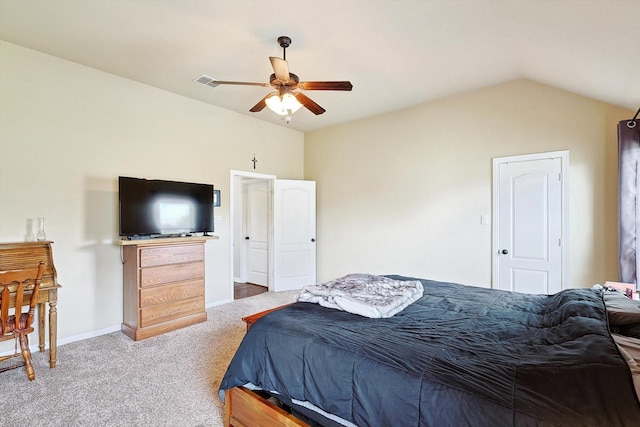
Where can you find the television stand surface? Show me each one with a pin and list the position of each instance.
(124, 241)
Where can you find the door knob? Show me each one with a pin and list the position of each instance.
(504, 251)
(313, 240)
(246, 238)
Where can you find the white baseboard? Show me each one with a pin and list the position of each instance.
(217, 303)
(87, 335)
(34, 347)
(96, 333)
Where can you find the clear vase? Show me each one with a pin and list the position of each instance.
(41, 236)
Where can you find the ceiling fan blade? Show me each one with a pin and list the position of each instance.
(280, 68)
(260, 105)
(325, 85)
(210, 81)
(308, 103)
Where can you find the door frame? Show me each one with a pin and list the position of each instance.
(235, 215)
(564, 208)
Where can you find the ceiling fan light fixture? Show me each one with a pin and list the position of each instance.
(283, 104)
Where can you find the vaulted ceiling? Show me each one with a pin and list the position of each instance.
(397, 53)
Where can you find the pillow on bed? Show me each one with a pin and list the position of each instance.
(623, 313)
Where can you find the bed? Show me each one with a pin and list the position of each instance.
(458, 356)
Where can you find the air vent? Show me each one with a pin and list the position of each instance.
(206, 80)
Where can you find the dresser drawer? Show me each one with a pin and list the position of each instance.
(169, 293)
(174, 310)
(171, 273)
(165, 255)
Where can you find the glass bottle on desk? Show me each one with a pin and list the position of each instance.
(41, 236)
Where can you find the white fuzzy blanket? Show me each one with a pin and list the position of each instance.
(364, 294)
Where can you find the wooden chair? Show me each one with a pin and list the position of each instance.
(16, 285)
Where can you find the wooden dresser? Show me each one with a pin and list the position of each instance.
(163, 286)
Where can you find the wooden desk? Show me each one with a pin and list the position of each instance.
(16, 256)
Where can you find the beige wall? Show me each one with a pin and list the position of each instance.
(403, 192)
(400, 193)
(67, 132)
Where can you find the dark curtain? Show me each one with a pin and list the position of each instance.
(629, 200)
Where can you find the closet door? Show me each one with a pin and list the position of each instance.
(530, 225)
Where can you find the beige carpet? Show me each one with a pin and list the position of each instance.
(169, 380)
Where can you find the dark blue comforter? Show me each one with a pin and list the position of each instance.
(459, 356)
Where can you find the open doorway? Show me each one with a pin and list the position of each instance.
(251, 233)
(273, 231)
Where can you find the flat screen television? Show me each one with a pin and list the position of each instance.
(157, 208)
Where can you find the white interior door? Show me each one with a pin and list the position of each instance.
(294, 217)
(257, 232)
(529, 222)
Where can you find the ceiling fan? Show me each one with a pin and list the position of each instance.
(285, 101)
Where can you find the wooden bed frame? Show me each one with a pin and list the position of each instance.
(244, 408)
